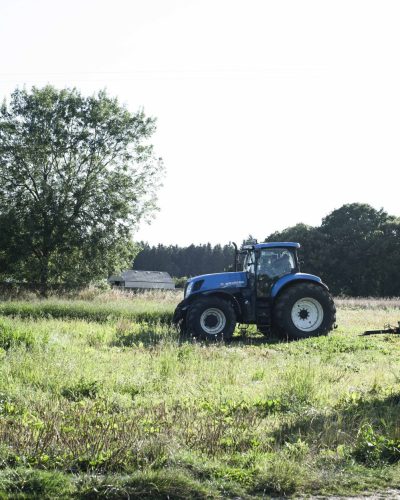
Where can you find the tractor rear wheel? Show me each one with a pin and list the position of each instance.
(211, 318)
(304, 310)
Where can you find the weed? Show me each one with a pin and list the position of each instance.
(373, 448)
(279, 476)
(81, 389)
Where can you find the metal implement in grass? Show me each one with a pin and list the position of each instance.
(386, 329)
(269, 291)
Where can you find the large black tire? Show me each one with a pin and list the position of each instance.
(265, 330)
(304, 310)
(211, 318)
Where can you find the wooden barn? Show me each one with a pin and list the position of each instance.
(142, 280)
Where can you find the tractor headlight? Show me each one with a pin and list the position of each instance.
(189, 289)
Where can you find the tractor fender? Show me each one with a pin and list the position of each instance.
(289, 279)
(226, 296)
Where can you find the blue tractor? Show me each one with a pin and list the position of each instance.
(269, 291)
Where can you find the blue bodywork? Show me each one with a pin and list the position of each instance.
(223, 281)
(218, 281)
(293, 277)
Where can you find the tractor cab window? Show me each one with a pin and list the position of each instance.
(249, 262)
(275, 262)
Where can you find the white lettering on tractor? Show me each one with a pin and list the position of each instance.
(232, 283)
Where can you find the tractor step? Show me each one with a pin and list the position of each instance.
(263, 314)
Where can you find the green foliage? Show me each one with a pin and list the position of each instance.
(80, 390)
(30, 483)
(373, 448)
(76, 176)
(180, 282)
(10, 336)
(355, 250)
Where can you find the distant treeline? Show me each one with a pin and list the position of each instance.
(356, 251)
(185, 261)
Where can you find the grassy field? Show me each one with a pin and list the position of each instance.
(100, 399)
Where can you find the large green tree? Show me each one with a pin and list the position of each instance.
(77, 175)
(356, 250)
(353, 231)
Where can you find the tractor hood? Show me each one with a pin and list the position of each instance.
(218, 281)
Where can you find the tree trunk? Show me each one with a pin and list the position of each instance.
(44, 276)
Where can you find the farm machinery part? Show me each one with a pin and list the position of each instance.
(386, 329)
(269, 291)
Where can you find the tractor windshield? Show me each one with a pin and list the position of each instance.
(275, 262)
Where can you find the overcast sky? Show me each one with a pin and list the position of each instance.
(269, 112)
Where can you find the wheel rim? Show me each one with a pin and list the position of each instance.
(307, 314)
(212, 321)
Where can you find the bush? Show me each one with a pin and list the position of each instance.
(81, 390)
(373, 449)
(180, 282)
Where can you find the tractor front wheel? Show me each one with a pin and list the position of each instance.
(304, 310)
(211, 318)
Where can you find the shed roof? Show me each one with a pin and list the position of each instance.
(152, 276)
(132, 275)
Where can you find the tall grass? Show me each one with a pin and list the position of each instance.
(121, 407)
(358, 303)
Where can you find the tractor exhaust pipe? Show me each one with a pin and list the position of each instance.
(235, 262)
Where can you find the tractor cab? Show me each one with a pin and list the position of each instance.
(266, 263)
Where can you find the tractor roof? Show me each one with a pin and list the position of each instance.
(274, 244)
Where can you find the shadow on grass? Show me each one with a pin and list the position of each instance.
(359, 421)
(258, 340)
(151, 335)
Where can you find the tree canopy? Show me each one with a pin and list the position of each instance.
(356, 250)
(77, 174)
